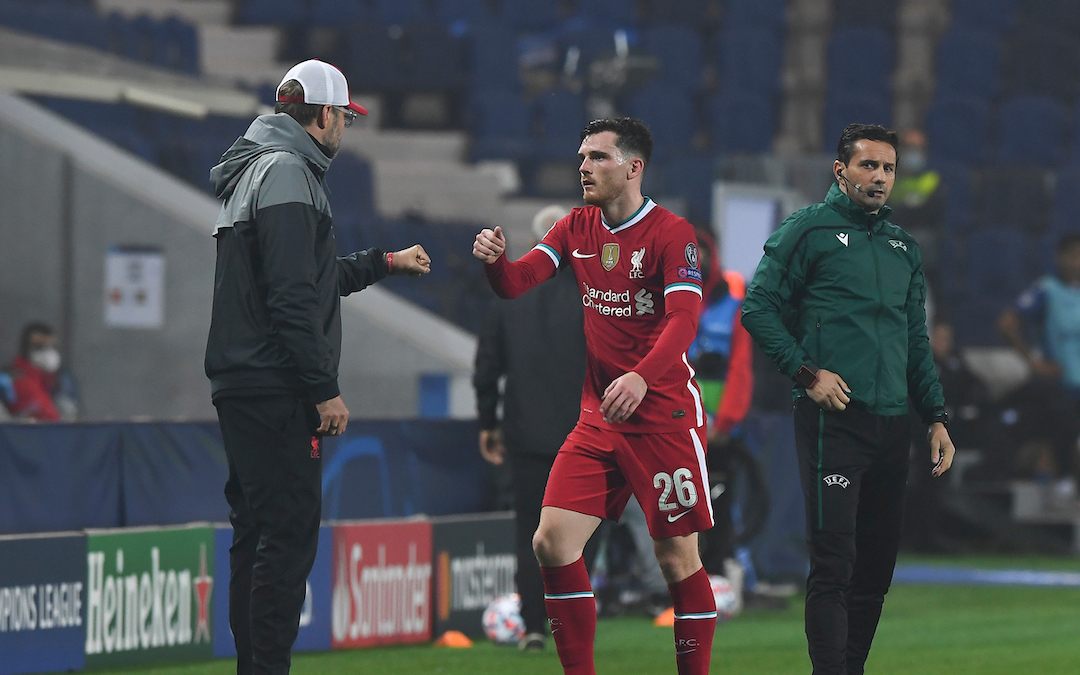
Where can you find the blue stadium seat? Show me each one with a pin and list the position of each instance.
(591, 43)
(502, 125)
(1063, 14)
(679, 50)
(842, 109)
(400, 12)
(691, 13)
(610, 12)
(339, 12)
(669, 113)
(462, 10)
(993, 15)
(562, 117)
(958, 128)
(273, 12)
(877, 13)
(750, 59)
(372, 58)
(1067, 198)
(956, 181)
(1032, 129)
(860, 60)
(691, 177)
(743, 14)
(491, 57)
(436, 62)
(351, 186)
(741, 122)
(1044, 60)
(1014, 195)
(175, 44)
(997, 263)
(530, 15)
(969, 63)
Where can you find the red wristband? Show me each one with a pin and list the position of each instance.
(389, 262)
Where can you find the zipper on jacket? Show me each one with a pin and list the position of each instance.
(877, 316)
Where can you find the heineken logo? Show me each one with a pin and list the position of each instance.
(139, 604)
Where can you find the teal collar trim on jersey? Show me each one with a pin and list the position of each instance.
(646, 207)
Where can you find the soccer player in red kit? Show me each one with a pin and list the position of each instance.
(641, 427)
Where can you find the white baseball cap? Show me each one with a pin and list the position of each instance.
(323, 85)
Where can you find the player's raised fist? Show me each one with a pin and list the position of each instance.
(489, 245)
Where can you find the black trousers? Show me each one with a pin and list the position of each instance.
(853, 466)
(275, 494)
(529, 474)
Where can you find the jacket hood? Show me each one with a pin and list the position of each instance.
(268, 133)
(853, 212)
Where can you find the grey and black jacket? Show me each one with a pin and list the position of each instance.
(276, 324)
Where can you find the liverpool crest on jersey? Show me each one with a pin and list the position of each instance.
(609, 257)
(635, 263)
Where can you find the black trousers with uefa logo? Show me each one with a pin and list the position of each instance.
(853, 466)
(274, 491)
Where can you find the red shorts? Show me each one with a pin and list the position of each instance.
(596, 471)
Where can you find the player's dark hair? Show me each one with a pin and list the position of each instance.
(845, 149)
(303, 113)
(1066, 242)
(631, 135)
(30, 329)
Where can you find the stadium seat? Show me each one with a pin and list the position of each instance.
(691, 177)
(841, 109)
(669, 113)
(997, 264)
(741, 122)
(876, 13)
(1043, 60)
(691, 13)
(339, 12)
(372, 58)
(530, 15)
(273, 12)
(400, 12)
(435, 58)
(350, 186)
(1032, 130)
(1063, 14)
(1014, 195)
(679, 50)
(860, 60)
(749, 59)
(610, 12)
(958, 128)
(502, 125)
(562, 117)
(992, 15)
(491, 60)
(956, 181)
(468, 11)
(969, 63)
(1066, 213)
(744, 14)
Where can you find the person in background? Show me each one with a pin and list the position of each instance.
(537, 342)
(1043, 326)
(918, 198)
(43, 391)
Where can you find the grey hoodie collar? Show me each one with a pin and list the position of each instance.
(268, 133)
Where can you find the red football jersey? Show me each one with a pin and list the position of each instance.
(637, 278)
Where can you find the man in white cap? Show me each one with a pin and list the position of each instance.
(274, 346)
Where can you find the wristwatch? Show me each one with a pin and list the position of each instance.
(942, 417)
(805, 377)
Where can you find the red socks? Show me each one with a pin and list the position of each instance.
(571, 611)
(695, 623)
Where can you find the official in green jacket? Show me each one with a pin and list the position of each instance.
(837, 303)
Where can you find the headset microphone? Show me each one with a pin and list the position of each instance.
(858, 186)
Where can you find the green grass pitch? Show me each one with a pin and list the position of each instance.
(925, 630)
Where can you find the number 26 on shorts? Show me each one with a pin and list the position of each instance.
(681, 482)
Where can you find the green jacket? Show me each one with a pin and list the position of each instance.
(843, 289)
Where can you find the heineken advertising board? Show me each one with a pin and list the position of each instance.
(148, 595)
(314, 633)
(42, 596)
(474, 564)
(382, 583)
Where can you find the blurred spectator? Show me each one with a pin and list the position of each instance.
(918, 196)
(1044, 327)
(537, 342)
(43, 391)
(7, 396)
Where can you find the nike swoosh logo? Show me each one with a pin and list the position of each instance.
(578, 254)
(672, 517)
(680, 652)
